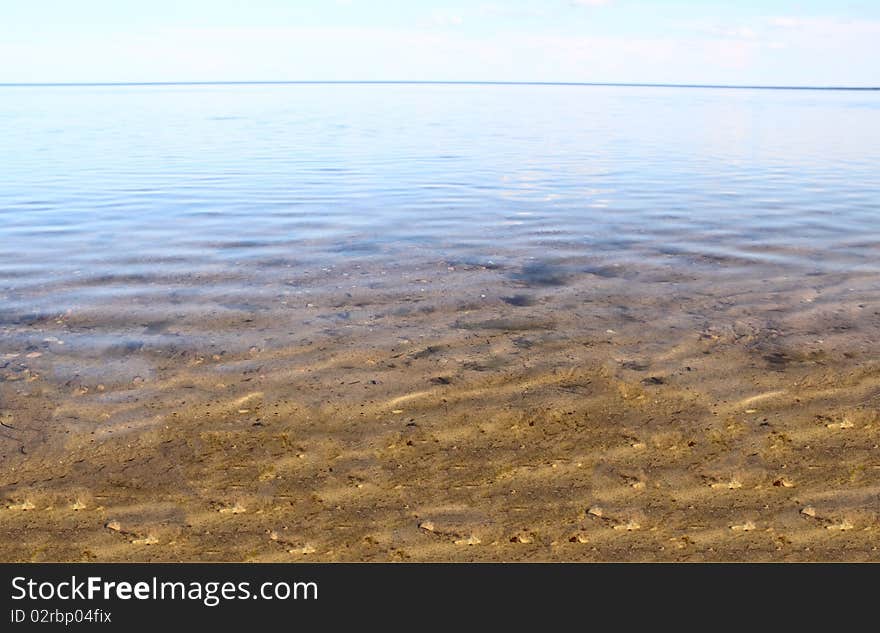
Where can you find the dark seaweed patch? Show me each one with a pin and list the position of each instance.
(523, 343)
(243, 307)
(543, 274)
(431, 350)
(606, 272)
(157, 327)
(474, 264)
(777, 360)
(355, 247)
(123, 348)
(510, 325)
(520, 301)
(241, 244)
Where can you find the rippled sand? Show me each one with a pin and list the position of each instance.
(451, 411)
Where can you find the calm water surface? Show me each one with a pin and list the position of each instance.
(109, 193)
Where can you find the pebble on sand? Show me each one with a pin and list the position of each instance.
(428, 526)
(748, 526)
(236, 509)
(24, 505)
(733, 484)
(525, 539)
(845, 424)
(114, 526)
(472, 540)
(146, 540)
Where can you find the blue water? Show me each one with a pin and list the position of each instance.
(108, 191)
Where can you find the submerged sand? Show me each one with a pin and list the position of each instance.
(451, 411)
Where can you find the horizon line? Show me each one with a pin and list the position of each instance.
(432, 82)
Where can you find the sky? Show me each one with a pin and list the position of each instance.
(769, 42)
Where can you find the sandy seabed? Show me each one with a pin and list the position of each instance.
(450, 412)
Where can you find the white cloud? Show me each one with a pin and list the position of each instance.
(740, 33)
(828, 25)
(816, 52)
(507, 11)
(444, 19)
(794, 49)
(784, 23)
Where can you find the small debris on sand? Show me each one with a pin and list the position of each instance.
(146, 540)
(748, 526)
(525, 539)
(24, 505)
(733, 484)
(845, 424)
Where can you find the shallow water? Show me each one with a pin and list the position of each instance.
(565, 322)
(120, 192)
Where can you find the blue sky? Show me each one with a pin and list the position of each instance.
(746, 42)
